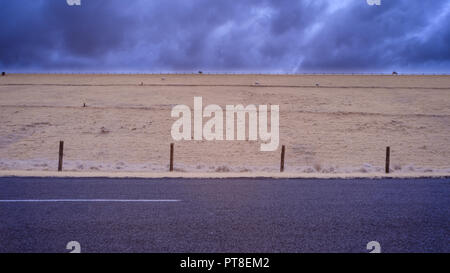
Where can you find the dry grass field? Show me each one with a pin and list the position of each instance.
(329, 123)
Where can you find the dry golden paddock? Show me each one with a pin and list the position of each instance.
(329, 123)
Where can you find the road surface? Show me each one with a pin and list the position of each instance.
(224, 215)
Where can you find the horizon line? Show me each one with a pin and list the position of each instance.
(231, 73)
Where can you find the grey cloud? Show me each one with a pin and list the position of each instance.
(222, 35)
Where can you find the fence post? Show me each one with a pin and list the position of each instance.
(282, 158)
(61, 153)
(171, 158)
(388, 155)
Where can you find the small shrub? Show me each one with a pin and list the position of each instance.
(317, 167)
(222, 169)
(103, 130)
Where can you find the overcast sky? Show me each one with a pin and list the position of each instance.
(278, 36)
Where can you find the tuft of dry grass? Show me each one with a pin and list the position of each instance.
(222, 169)
(317, 167)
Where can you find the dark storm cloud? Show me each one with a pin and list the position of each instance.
(214, 35)
(411, 35)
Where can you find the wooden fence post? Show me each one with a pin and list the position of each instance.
(171, 158)
(282, 158)
(61, 153)
(388, 155)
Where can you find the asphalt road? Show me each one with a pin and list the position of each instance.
(224, 215)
